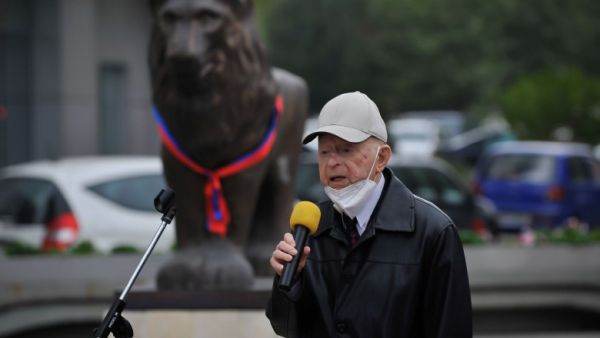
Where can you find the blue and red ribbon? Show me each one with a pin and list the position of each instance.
(217, 212)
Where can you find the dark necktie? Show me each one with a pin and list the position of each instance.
(351, 230)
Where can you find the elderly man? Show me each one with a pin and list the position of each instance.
(384, 262)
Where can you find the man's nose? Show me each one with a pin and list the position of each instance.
(333, 159)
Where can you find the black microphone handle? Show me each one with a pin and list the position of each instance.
(289, 269)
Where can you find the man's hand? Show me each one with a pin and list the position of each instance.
(284, 251)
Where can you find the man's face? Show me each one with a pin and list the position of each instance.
(342, 163)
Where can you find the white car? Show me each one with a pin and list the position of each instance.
(311, 124)
(105, 200)
(414, 137)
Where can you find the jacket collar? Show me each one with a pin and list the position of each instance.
(394, 211)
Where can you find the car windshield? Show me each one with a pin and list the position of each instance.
(431, 184)
(308, 185)
(135, 192)
(414, 137)
(522, 167)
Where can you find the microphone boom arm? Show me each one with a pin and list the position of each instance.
(113, 321)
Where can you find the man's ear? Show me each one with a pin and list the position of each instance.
(385, 154)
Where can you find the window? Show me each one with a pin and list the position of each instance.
(431, 185)
(596, 170)
(25, 200)
(580, 169)
(112, 97)
(308, 184)
(449, 191)
(418, 181)
(522, 167)
(136, 192)
(406, 176)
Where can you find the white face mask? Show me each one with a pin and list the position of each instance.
(350, 199)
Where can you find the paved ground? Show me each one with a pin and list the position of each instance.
(546, 335)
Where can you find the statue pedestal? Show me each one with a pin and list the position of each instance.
(166, 314)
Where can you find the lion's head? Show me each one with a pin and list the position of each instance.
(207, 62)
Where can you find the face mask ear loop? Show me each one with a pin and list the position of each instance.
(373, 165)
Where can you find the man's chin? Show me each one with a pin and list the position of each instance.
(338, 185)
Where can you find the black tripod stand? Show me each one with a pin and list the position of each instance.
(114, 322)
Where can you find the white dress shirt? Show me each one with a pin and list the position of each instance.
(367, 210)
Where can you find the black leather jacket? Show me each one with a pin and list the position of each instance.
(406, 277)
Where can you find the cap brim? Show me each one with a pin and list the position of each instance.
(345, 133)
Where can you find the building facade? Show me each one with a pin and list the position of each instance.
(74, 79)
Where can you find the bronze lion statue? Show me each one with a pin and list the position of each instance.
(230, 128)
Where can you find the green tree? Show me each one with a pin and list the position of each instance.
(537, 104)
(429, 54)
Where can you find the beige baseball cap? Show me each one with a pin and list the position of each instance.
(352, 117)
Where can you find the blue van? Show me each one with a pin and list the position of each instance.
(540, 184)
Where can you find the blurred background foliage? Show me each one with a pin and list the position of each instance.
(537, 61)
(539, 102)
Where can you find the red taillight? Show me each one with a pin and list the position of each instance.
(477, 188)
(480, 228)
(478, 225)
(61, 232)
(556, 193)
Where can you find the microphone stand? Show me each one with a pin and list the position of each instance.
(114, 322)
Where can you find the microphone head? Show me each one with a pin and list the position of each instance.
(307, 214)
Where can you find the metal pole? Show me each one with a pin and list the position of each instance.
(140, 265)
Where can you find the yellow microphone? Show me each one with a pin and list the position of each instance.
(304, 220)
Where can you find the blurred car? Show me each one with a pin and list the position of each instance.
(467, 147)
(432, 179)
(450, 122)
(107, 201)
(414, 137)
(311, 124)
(540, 184)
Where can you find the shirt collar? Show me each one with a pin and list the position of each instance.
(365, 213)
(395, 211)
